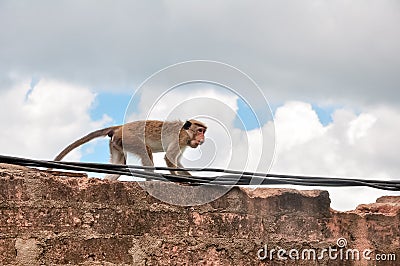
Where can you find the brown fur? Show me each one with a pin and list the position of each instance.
(142, 138)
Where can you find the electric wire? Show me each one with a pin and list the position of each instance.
(224, 177)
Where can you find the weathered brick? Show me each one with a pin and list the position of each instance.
(75, 250)
(58, 219)
(7, 251)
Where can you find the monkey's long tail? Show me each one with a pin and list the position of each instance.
(95, 134)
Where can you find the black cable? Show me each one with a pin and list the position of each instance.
(217, 170)
(231, 177)
(304, 180)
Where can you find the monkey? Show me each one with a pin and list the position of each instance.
(145, 137)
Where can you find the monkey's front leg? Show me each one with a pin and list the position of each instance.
(181, 166)
(172, 158)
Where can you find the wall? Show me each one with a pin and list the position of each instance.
(64, 218)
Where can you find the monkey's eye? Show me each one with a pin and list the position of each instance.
(201, 130)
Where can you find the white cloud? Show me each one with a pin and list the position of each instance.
(359, 127)
(39, 123)
(297, 124)
(353, 145)
(186, 102)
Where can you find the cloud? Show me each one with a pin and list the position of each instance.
(353, 145)
(297, 124)
(334, 52)
(39, 122)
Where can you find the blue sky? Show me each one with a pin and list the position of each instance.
(111, 104)
(114, 106)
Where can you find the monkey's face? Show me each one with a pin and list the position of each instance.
(198, 137)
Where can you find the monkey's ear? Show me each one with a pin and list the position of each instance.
(187, 125)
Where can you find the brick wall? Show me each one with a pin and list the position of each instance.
(53, 218)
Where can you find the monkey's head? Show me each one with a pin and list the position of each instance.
(196, 131)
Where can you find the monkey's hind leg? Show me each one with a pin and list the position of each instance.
(136, 146)
(117, 157)
(147, 158)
